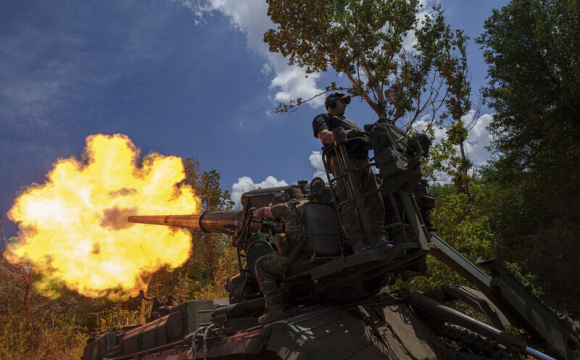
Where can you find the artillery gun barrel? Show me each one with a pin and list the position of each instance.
(211, 221)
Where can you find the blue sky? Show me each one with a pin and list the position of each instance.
(184, 77)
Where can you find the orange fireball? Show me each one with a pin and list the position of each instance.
(74, 228)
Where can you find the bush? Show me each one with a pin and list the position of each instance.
(46, 339)
(463, 227)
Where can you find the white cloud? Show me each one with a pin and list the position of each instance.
(411, 40)
(266, 69)
(421, 125)
(440, 134)
(292, 84)
(240, 121)
(316, 161)
(246, 184)
(250, 17)
(478, 138)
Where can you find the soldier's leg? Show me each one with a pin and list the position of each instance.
(268, 268)
(347, 213)
(374, 206)
(286, 289)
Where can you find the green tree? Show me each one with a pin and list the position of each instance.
(532, 48)
(405, 68)
(207, 186)
(36, 327)
(371, 42)
(466, 228)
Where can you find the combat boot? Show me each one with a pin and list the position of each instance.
(359, 246)
(381, 238)
(272, 312)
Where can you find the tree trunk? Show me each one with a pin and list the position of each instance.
(465, 168)
(145, 294)
(28, 291)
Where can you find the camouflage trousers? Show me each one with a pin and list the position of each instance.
(373, 204)
(269, 271)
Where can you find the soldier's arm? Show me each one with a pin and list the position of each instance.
(325, 136)
(263, 212)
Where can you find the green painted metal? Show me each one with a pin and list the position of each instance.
(511, 296)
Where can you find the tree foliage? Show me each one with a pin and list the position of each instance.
(207, 186)
(532, 48)
(464, 227)
(403, 60)
(36, 327)
(403, 67)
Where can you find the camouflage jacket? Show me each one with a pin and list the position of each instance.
(291, 214)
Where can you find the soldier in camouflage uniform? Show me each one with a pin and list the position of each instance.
(290, 249)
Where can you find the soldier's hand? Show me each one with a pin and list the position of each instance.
(352, 133)
(259, 213)
(252, 210)
(366, 139)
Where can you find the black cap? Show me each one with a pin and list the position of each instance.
(340, 95)
(331, 99)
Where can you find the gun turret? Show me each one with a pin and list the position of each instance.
(227, 222)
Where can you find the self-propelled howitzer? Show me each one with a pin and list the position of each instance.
(337, 303)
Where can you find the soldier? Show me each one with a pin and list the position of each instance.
(290, 246)
(356, 147)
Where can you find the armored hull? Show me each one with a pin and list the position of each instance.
(380, 327)
(339, 305)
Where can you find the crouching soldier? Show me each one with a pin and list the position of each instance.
(290, 244)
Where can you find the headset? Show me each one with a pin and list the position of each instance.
(330, 101)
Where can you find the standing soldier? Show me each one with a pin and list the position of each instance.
(290, 246)
(323, 125)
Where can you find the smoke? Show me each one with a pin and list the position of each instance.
(116, 218)
(73, 229)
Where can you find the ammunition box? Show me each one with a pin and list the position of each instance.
(194, 313)
(162, 331)
(100, 345)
